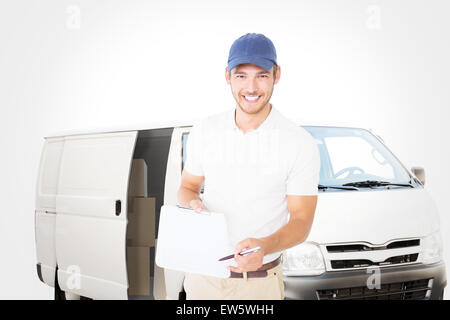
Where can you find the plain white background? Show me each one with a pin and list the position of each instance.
(92, 64)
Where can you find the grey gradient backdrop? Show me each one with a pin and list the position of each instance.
(92, 64)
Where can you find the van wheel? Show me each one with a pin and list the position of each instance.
(59, 294)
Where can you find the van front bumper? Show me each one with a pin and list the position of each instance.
(394, 281)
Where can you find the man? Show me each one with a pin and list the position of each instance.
(260, 169)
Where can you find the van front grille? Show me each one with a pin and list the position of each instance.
(363, 247)
(410, 290)
(340, 256)
(344, 264)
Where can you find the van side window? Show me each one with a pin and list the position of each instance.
(184, 153)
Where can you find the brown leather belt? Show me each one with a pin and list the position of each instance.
(260, 273)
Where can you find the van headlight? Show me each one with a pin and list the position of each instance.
(432, 248)
(305, 259)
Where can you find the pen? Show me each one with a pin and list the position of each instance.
(242, 253)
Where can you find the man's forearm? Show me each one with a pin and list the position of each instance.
(294, 232)
(186, 195)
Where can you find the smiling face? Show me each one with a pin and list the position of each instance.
(252, 86)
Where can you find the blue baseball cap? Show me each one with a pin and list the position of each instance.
(254, 48)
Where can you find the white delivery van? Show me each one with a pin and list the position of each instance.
(376, 233)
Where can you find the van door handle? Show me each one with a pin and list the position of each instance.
(118, 207)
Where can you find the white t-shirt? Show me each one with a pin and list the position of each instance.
(247, 176)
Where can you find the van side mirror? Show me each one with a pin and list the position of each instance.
(419, 172)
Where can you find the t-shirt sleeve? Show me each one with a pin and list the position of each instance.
(193, 163)
(303, 177)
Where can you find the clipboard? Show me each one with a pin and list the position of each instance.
(193, 242)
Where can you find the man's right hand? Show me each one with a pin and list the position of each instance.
(189, 191)
(197, 205)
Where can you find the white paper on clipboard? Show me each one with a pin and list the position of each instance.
(193, 242)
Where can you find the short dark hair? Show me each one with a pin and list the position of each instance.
(275, 69)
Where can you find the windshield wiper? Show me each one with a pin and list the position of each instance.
(375, 183)
(322, 187)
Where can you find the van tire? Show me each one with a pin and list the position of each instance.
(59, 294)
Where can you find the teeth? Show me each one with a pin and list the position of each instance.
(251, 98)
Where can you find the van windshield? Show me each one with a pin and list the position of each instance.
(351, 155)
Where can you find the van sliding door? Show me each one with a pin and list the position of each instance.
(91, 218)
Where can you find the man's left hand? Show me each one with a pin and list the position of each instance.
(252, 261)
